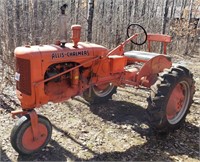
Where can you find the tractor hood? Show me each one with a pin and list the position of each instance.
(84, 51)
(54, 53)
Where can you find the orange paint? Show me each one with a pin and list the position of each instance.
(54, 73)
(158, 38)
(28, 141)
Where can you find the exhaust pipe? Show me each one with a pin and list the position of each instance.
(63, 26)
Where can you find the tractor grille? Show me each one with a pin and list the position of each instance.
(24, 83)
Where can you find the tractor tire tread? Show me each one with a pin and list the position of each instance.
(160, 93)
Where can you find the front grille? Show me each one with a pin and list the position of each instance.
(24, 69)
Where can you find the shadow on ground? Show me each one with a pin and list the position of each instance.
(3, 156)
(6, 105)
(181, 142)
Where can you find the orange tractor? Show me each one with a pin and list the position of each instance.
(54, 73)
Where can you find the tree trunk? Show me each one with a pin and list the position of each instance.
(164, 21)
(188, 34)
(150, 13)
(110, 17)
(102, 19)
(90, 19)
(17, 24)
(35, 13)
(72, 11)
(77, 11)
(174, 9)
(118, 32)
(130, 8)
(183, 5)
(136, 9)
(144, 8)
(190, 12)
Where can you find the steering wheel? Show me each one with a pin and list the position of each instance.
(137, 29)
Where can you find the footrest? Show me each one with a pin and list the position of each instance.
(141, 55)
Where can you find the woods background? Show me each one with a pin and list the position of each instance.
(103, 22)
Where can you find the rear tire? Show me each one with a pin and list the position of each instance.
(22, 137)
(99, 95)
(170, 99)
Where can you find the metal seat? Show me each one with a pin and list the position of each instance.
(141, 55)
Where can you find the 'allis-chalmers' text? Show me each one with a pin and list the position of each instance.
(69, 54)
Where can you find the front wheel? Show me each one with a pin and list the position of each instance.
(22, 136)
(170, 100)
(100, 93)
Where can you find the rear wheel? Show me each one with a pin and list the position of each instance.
(170, 100)
(100, 93)
(22, 136)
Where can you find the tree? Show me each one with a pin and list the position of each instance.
(21, 22)
(165, 14)
(164, 20)
(183, 5)
(144, 7)
(90, 19)
(173, 9)
(188, 34)
(72, 10)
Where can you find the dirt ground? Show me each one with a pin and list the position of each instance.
(113, 131)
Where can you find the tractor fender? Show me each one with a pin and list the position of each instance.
(152, 67)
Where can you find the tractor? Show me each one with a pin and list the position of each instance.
(57, 72)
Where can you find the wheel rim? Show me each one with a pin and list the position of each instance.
(178, 102)
(103, 90)
(28, 141)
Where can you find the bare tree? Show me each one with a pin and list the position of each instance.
(136, 11)
(183, 5)
(78, 3)
(144, 8)
(164, 20)
(188, 34)
(130, 9)
(173, 9)
(90, 19)
(21, 22)
(110, 17)
(72, 10)
(165, 14)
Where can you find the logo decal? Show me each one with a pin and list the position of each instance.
(69, 54)
(17, 76)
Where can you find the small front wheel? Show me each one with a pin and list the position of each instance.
(22, 136)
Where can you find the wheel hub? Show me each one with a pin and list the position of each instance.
(178, 102)
(28, 140)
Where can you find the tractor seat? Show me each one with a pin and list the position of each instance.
(141, 55)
